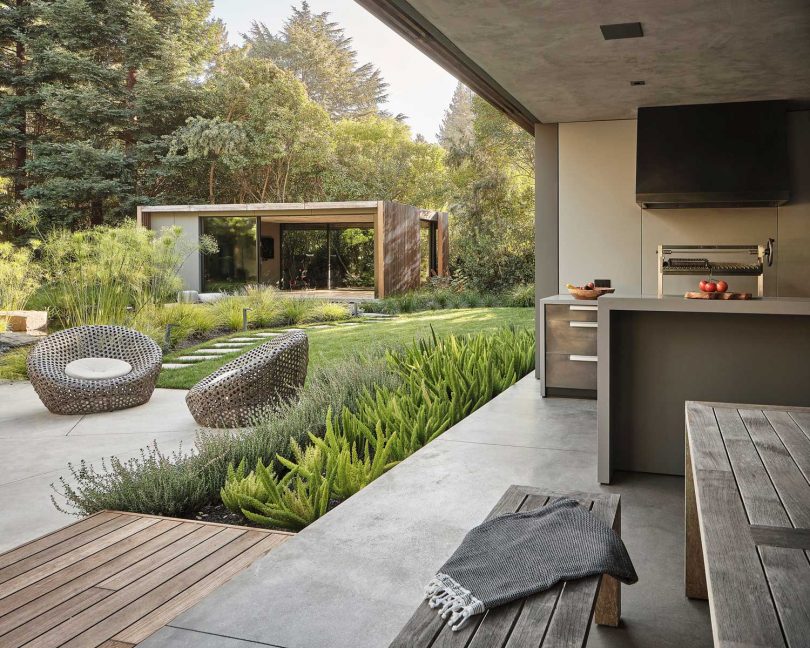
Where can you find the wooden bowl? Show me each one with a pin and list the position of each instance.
(581, 293)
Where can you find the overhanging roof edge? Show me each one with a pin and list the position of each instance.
(422, 34)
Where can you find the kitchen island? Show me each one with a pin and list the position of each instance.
(654, 354)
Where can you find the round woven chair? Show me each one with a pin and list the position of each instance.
(236, 393)
(64, 394)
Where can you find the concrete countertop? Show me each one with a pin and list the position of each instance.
(758, 306)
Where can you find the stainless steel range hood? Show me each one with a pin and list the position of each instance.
(712, 155)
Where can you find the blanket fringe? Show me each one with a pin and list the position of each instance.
(453, 600)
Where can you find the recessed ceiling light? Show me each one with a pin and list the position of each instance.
(634, 83)
(622, 30)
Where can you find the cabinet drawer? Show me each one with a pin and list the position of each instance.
(571, 336)
(564, 372)
(582, 312)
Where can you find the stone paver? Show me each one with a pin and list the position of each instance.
(268, 335)
(197, 358)
(172, 365)
(242, 339)
(36, 446)
(217, 352)
(237, 345)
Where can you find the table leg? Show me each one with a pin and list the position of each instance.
(694, 569)
(609, 602)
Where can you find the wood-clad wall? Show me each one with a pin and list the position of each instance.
(401, 257)
(443, 243)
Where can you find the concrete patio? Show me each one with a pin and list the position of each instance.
(353, 578)
(36, 446)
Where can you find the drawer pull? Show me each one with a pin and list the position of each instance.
(582, 358)
(583, 308)
(574, 324)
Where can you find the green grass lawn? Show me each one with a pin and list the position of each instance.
(336, 344)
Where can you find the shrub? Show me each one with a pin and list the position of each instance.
(295, 310)
(328, 312)
(12, 364)
(186, 319)
(19, 278)
(521, 295)
(441, 295)
(443, 381)
(228, 312)
(107, 275)
(179, 484)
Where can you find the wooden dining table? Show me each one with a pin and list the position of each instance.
(748, 521)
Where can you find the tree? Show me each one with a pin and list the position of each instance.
(492, 204)
(456, 130)
(376, 159)
(119, 76)
(267, 141)
(320, 55)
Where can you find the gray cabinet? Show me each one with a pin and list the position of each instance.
(569, 343)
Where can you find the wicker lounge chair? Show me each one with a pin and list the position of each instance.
(137, 355)
(235, 393)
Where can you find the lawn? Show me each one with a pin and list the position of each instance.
(336, 344)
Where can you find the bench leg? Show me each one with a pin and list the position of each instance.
(694, 570)
(609, 602)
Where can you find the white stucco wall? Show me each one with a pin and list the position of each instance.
(190, 224)
(603, 233)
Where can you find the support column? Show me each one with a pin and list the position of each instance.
(546, 223)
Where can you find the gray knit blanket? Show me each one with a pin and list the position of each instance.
(519, 554)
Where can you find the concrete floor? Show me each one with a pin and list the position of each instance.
(36, 446)
(354, 577)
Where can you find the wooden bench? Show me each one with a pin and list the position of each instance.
(748, 521)
(557, 617)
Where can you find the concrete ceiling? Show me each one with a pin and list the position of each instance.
(551, 57)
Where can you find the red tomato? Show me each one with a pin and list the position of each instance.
(711, 287)
(722, 286)
(702, 285)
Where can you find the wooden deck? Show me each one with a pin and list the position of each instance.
(114, 578)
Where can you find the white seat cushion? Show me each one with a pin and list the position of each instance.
(97, 368)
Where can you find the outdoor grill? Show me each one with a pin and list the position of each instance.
(748, 261)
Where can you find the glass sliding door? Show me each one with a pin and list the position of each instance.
(236, 264)
(326, 257)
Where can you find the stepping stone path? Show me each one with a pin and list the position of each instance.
(235, 345)
(240, 339)
(198, 358)
(214, 351)
(172, 365)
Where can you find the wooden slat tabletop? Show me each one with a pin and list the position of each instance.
(560, 616)
(748, 521)
(114, 578)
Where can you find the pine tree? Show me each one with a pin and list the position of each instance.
(120, 77)
(18, 92)
(320, 55)
(456, 131)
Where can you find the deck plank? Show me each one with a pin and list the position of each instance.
(118, 574)
(48, 540)
(143, 604)
(159, 617)
(40, 597)
(79, 540)
(72, 557)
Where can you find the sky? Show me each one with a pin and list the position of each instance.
(418, 87)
